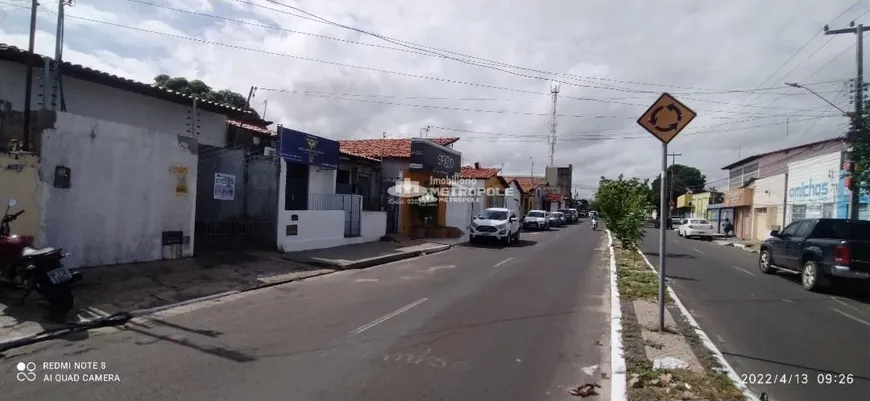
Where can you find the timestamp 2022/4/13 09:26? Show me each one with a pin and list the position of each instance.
(832, 379)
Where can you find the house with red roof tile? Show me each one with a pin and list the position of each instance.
(533, 192)
(424, 161)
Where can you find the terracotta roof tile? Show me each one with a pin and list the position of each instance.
(478, 173)
(352, 154)
(527, 183)
(386, 148)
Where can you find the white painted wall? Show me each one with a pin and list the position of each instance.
(122, 195)
(109, 104)
(769, 191)
(821, 172)
(513, 201)
(317, 229)
(320, 181)
(459, 215)
(373, 225)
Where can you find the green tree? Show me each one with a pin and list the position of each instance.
(200, 90)
(684, 178)
(625, 205)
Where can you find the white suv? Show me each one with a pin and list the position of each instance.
(496, 223)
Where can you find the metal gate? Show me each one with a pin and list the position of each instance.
(350, 204)
(236, 201)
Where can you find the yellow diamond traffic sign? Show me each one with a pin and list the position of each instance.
(666, 118)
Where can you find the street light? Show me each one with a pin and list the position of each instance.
(796, 85)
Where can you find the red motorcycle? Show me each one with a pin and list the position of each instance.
(34, 269)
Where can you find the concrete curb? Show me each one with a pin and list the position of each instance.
(379, 260)
(618, 379)
(744, 247)
(705, 339)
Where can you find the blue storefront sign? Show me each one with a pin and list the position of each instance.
(299, 147)
(810, 191)
(843, 200)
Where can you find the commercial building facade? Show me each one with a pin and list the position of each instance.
(813, 186)
(756, 172)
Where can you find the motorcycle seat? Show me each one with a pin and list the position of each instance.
(31, 252)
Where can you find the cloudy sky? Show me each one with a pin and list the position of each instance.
(482, 70)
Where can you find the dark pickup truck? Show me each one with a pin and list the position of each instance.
(822, 250)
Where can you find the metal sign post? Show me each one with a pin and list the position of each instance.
(665, 119)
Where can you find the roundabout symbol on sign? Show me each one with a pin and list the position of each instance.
(666, 117)
(654, 118)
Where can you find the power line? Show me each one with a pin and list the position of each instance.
(344, 96)
(202, 41)
(603, 137)
(776, 71)
(422, 49)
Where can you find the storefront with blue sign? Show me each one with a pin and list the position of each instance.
(843, 200)
(309, 166)
(813, 187)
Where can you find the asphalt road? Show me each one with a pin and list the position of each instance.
(518, 323)
(769, 325)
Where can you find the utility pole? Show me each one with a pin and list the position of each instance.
(28, 81)
(673, 157)
(858, 118)
(532, 171)
(57, 92)
(554, 90)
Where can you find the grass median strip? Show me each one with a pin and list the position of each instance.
(636, 280)
(690, 370)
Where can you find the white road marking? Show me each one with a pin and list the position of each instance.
(365, 280)
(787, 300)
(841, 302)
(503, 262)
(432, 269)
(388, 316)
(859, 320)
(744, 270)
(697, 250)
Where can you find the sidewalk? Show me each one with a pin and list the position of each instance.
(746, 245)
(107, 290)
(360, 256)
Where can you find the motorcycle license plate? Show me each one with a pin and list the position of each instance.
(59, 275)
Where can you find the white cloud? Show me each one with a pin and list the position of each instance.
(635, 49)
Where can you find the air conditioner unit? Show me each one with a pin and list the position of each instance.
(269, 151)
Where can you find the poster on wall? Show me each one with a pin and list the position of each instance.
(180, 173)
(224, 186)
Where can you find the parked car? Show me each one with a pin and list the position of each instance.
(554, 219)
(569, 216)
(576, 214)
(822, 250)
(563, 220)
(536, 220)
(696, 228)
(496, 223)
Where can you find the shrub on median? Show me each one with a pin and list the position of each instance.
(625, 205)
